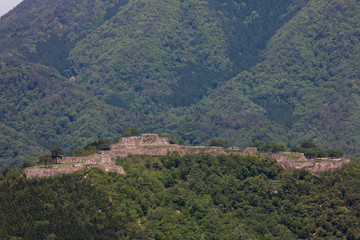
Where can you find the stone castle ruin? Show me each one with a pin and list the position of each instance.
(148, 139)
(152, 144)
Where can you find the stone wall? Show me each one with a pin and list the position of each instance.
(123, 151)
(152, 144)
(59, 170)
(48, 172)
(103, 157)
(324, 165)
(144, 139)
(298, 160)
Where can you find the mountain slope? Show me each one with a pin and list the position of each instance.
(16, 148)
(170, 53)
(306, 86)
(136, 57)
(51, 111)
(45, 31)
(40, 107)
(270, 70)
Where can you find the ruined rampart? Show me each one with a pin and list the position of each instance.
(59, 170)
(329, 164)
(123, 151)
(145, 140)
(152, 144)
(298, 160)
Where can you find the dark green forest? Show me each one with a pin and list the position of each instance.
(74, 72)
(274, 74)
(190, 197)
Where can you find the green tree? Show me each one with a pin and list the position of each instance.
(313, 152)
(275, 147)
(335, 153)
(46, 158)
(131, 132)
(78, 151)
(255, 144)
(104, 145)
(308, 144)
(56, 153)
(26, 165)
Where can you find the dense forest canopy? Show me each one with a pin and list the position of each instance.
(75, 72)
(189, 197)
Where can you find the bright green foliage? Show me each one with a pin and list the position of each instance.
(189, 197)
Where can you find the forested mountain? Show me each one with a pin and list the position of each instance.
(190, 197)
(305, 88)
(73, 72)
(40, 110)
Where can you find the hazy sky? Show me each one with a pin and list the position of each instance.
(7, 5)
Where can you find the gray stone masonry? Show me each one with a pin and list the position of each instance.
(152, 144)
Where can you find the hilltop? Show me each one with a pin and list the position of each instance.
(205, 195)
(153, 145)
